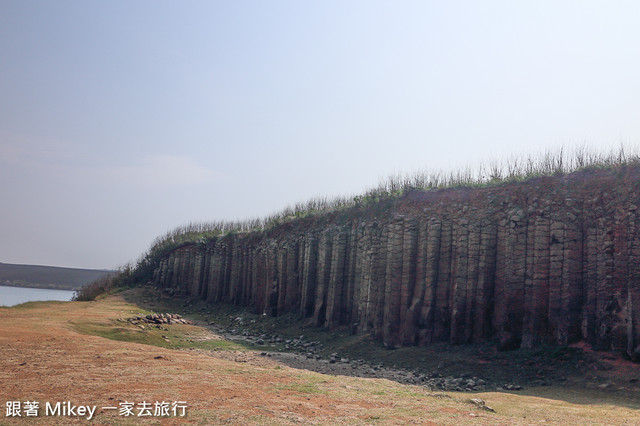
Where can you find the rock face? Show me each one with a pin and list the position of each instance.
(549, 260)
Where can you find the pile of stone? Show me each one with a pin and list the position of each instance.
(458, 384)
(159, 319)
(300, 344)
(310, 355)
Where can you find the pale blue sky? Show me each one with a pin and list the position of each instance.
(120, 120)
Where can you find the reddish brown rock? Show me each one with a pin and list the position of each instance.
(551, 260)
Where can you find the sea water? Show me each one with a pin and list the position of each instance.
(10, 296)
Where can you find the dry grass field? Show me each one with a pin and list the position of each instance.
(81, 352)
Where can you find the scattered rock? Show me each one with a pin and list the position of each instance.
(511, 387)
(481, 404)
(166, 318)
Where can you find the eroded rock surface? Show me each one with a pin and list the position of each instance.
(549, 260)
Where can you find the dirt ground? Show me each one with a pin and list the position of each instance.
(607, 376)
(44, 357)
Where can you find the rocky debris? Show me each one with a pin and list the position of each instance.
(481, 404)
(161, 318)
(511, 387)
(308, 354)
(459, 384)
(360, 368)
(441, 367)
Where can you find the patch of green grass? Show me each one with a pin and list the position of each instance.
(176, 336)
(306, 387)
(307, 384)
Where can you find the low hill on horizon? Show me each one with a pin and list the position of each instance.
(52, 277)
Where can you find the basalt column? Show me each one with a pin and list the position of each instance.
(431, 268)
(484, 294)
(472, 293)
(323, 276)
(623, 323)
(335, 294)
(408, 279)
(633, 301)
(309, 273)
(380, 257)
(536, 323)
(350, 280)
(367, 261)
(510, 279)
(551, 260)
(572, 277)
(415, 300)
(393, 284)
(272, 276)
(461, 281)
(441, 315)
(197, 271)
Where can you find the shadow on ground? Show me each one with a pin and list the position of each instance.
(571, 374)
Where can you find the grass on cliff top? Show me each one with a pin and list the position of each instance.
(548, 163)
(514, 169)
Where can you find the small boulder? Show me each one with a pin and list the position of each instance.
(481, 404)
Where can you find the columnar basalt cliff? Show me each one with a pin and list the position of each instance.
(549, 260)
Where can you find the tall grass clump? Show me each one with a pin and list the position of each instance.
(102, 285)
(514, 169)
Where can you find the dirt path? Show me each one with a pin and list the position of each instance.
(43, 358)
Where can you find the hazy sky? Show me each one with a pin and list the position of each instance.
(120, 120)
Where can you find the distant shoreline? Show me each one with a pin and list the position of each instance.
(47, 277)
(40, 286)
